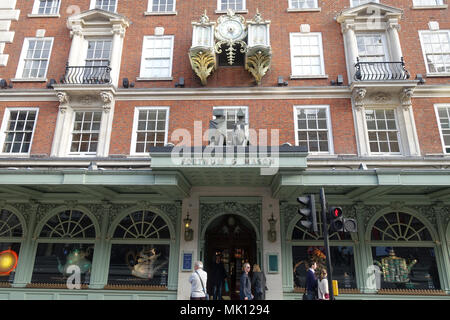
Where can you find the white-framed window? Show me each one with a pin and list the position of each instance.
(107, 5)
(17, 130)
(303, 4)
(382, 131)
(235, 5)
(371, 47)
(160, 6)
(307, 54)
(85, 132)
(46, 7)
(443, 116)
(231, 118)
(313, 128)
(150, 129)
(34, 58)
(436, 51)
(355, 3)
(427, 3)
(157, 55)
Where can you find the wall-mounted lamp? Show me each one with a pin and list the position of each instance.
(51, 83)
(127, 84)
(272, 233)
(339, 80)
(281, 82)
(188, 232)
(4, 84)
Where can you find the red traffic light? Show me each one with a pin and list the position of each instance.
(335, 212)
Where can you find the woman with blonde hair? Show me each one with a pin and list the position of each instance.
(322, 287)
(259, 283)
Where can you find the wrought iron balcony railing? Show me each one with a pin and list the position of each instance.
(368, 71)
(87, 75)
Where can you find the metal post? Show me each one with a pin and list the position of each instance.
(327, 246)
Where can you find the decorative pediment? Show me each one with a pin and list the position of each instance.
(97, 19)
(370, 16)
(370, 10)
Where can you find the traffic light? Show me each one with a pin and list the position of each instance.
(340, 224)
(336, 219)
(309, 212)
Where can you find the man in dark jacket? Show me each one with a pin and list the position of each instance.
(311, 281)
(217, 275)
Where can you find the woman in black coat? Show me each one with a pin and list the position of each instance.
(259, 283)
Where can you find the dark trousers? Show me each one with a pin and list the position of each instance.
(258, 296)
(217, 291)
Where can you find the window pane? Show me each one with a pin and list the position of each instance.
(139, 265)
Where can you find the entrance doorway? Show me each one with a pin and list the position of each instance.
(234, 239)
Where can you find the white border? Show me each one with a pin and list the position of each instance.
(23, 54)
(330, 128)
(92, 6)
(291, 8)
(69, 145)
(436, 107)
(141, 77)
(322, 61)
(35, 12)
(6, 116)
(151, 12)
(421, 32)
(243, 10)
(352, 6)
(135, 124)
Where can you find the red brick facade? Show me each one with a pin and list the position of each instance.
(263, 113)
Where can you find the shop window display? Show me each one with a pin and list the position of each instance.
(140, 251)
(406, 268)
(65, 248)
(342, 262)
(11, 234)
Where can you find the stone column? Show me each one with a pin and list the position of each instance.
(100, 263)
(116, 53)
(75, 59)
(442, 220)
(25, 264)
(394, 40)
(411, 140)
(351, 48)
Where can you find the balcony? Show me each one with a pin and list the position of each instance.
(87, 75)
(380, 71)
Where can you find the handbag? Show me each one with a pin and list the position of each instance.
(226, 287)
(206, 293)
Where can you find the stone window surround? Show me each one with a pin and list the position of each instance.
(135, 124)
(363, 97)
(143, 58)
(81, 32)
(292, 9)
(323, 75)
(88, 101)
(35, 14)
(243, 10)
(93, 2)
(351, 24)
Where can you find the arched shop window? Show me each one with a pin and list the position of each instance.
(11, 235)
(65, 247)
(403, 252)
(140, 251)
(307, 246)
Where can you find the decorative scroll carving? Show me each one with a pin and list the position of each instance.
(64, 101)
(209, 210)
(203, 63)
(258, 64)
(405, 98)
(107, 99)
(358, 95)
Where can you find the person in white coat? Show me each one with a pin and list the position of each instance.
(198, 282)
(322, 287)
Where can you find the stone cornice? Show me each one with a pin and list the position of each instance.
(253, 93)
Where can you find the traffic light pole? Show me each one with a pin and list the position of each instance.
(326, 241)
